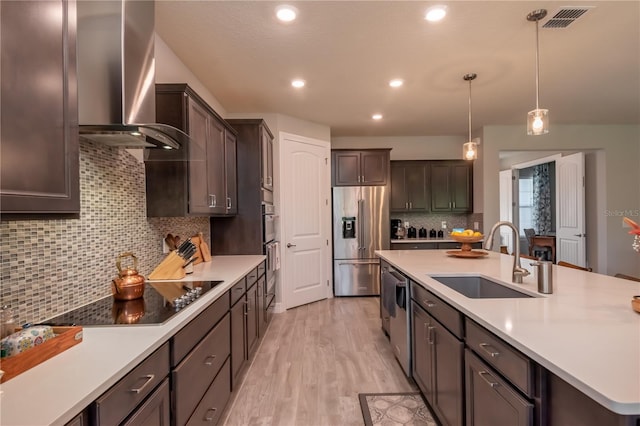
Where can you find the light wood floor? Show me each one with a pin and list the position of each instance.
(313, 362)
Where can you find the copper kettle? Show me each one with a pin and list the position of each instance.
(129, 284)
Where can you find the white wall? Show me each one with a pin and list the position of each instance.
(616, 190)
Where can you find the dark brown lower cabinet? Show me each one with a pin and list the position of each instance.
(252, 320)
(438, 357)
(237, 340)
(213, 402)
(492, 401)
(156, 410)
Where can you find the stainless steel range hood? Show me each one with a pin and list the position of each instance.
(116, 76)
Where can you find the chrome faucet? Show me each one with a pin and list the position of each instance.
(518, 271)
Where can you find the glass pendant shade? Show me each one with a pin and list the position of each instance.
(538, 122)
(470, 151)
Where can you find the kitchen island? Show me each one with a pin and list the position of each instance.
(585, 332)
(55, 391)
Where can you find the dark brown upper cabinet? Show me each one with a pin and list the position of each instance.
(39, 147)
(451, 186)
(198, 179)
(410, 186)
(366, 167)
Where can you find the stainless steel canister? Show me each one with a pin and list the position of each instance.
(545, 276)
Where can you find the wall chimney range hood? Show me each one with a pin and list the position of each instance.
(116, 76)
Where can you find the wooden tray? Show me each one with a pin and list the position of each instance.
(467, 253)
(66, 337)
(635, 303)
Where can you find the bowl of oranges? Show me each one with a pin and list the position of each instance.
(466, 237)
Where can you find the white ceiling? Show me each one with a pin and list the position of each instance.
(347, 51)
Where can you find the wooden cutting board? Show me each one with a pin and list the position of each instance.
(197, 241)
(204, 249)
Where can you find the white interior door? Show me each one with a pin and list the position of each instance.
(506, 208)
(305, 219)
(570, 218)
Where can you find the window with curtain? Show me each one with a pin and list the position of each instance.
(541, 213)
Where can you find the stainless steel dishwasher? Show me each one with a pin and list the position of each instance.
(395, 299)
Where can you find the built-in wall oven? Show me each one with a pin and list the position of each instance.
(272, 252)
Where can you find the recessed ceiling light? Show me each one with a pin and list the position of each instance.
(298, 83)
(286, 13)
(396, 82)
(435, 13)
(377, 116)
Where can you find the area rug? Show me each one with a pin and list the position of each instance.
(386, 409)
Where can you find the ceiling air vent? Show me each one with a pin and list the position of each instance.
(565, 16)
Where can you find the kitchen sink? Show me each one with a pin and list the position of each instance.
(477, 287)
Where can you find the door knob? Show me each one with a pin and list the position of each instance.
(289, 245)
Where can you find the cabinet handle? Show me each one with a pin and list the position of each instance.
(269, 180)
(406, 206)
(487, 348)
(149, 378)
(454, 204)
(449, 204)
(210, 357)
(212, 200)
(428, 303)
(210, 414)
(228, 203)
(489, 382)
(410, 205)
(431, 336)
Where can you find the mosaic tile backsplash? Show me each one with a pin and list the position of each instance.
(48, 267)
(434, 220)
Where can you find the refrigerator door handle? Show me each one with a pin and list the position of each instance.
(362, 225)
(359, 219)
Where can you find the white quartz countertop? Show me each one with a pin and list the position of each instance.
(585, 332)
(53, 392)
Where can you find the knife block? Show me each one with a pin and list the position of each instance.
(169, 269)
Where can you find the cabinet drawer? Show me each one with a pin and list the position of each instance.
(193, 332)
(194, 375)
(252, 277)
(414, 246)
(115, 404)
(238, 290)
(155, 410)
(214, 401)
(262, 268)
(440, 310)
(516, 367)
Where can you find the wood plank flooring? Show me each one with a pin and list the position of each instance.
(313, 362)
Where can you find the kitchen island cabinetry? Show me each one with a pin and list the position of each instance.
(409, 186)
(39, 146)
(357, 168)
(438, 355)
(197, 179)
(451, 183)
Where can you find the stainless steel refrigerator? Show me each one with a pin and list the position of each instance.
(360, 227)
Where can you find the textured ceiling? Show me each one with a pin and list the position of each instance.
(347, 51)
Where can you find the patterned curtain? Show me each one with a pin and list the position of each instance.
(541, 214)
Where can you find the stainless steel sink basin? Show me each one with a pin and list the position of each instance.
(476, 287)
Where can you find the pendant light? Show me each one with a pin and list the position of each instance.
(470, 149)
(538, 119)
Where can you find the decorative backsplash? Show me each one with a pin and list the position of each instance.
(48, 267)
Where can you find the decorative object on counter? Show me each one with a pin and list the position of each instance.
(433, 233)
(441, 234)
(635, 231)
(25, 339)
(470, 148)
(422, 233)
(129, 284)
(411, 232)
(467, 238)
(7, 322)
(537, 119)
(64, 338)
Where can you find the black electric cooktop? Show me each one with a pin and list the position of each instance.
(162, 300)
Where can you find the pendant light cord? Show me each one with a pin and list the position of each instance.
(470, 109)
(537, 66)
